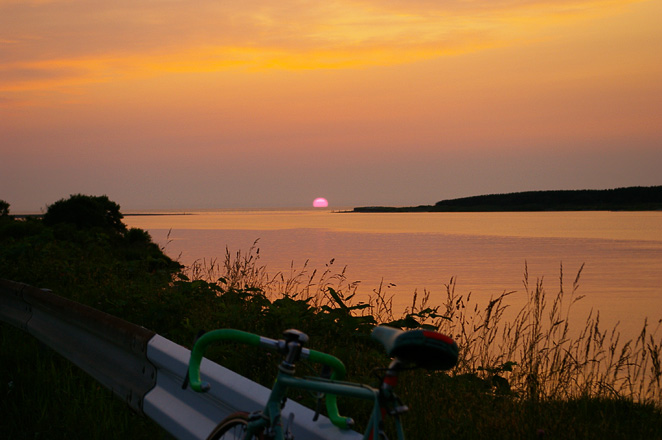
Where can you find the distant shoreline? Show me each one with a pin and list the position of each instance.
(143, 214)
(137, 214)
(635, 198)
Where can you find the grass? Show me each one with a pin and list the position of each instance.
(543, 355)
(524, 372)
(537, 349)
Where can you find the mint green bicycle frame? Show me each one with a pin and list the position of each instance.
(270, 419)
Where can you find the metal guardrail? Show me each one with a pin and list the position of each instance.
(190, 415)
(107, 348)
(145, 369)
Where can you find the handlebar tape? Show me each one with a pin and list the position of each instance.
(339, 372)
(201, 344)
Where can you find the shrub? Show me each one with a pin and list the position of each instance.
(4, 209)
(86, 212)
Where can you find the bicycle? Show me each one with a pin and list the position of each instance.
(409, 349)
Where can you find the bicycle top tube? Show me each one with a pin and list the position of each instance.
(197, 352)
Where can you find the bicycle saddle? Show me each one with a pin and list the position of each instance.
(423, 348)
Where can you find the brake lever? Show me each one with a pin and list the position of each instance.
(325, 374)
(318, 407)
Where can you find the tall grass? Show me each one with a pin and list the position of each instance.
(243, 271)
(526, 370)
(536, 352)
(544, 355)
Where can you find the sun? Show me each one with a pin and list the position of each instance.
(320, 202)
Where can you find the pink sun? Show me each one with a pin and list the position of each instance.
(320, 202)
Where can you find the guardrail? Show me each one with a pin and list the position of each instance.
(109, 349)
(143, 368)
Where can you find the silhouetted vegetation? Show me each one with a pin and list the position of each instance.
(4, 209)
(86, 212)
(619, 199)
(519, 378)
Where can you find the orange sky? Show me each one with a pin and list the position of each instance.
(219, 104)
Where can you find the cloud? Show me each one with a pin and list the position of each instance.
(330, 33)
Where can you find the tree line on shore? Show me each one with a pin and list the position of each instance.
(636, 198)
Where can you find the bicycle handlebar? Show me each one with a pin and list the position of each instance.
(199, 349)
(197, 352)
(338, 373)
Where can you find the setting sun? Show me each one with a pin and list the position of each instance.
(320, 202)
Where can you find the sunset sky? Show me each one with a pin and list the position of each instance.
(169, 104)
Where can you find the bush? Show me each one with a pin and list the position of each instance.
(86, 212)
(82, 250)
(4, 209)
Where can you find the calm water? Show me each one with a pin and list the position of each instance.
(485, 252)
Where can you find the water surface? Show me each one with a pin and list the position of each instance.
(485, 253)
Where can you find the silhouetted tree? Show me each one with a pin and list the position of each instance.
(86, 212)
(4, 208)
